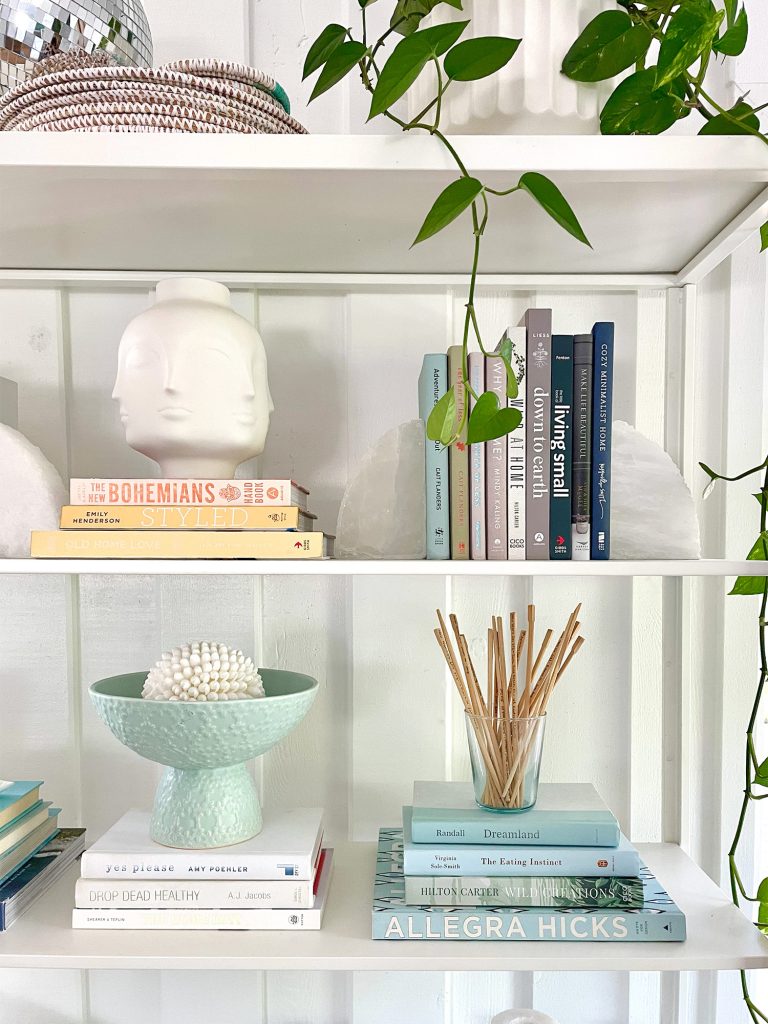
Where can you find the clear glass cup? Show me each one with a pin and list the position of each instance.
(506, 759)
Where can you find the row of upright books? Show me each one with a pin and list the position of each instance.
(123, 518)
(276, 881)
(561, 871)
(543, 491)
(34, 851)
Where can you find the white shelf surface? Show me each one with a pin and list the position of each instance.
(340, 567)
(719, 936)
(354, 203)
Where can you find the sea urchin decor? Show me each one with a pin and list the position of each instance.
(203, 671)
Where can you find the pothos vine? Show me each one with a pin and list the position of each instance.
(335, 54)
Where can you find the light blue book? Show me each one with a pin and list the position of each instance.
(27, 847)
(15, 798)
(566, 814)
(510, 861)
(433, 384)
(658, 920)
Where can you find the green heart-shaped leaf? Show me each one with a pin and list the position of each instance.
(764, 236)
(408, 60)
(477, 58)
(722, 125)
(442, 425)
(451, 202)
(551, 199)
(761, 774)
(609, 44)
(329, 40)
(409, 13)
(733, 41)
(762, 910)
(746, 585)
(487, 421)
(638, 107)
(691, 32)
(345, 57)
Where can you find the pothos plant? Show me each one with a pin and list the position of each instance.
(755, 769)
(387, 75)
(670, 45)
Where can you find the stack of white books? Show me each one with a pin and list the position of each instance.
(277, 880)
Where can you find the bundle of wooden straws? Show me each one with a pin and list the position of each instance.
(518, 689)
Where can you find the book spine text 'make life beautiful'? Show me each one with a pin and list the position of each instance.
(538, 371)
(582, 447)
(602, 419)
(178, 544)
(529, 891)
(477, 518)
(186, 492)
(516, 443)
(496, 467)
(184, 517)
(433, 384)
(459, 461)
(561, 468)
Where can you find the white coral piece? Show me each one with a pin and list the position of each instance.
(203, 671)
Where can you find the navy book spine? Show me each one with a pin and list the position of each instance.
(561, 459)
(602, 420)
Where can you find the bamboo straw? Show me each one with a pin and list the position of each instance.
(499, 715)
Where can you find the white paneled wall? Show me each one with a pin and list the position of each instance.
(654, 714)
(655, 723)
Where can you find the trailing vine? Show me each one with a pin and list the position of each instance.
(438, 48)
(685, 37)
(755, 771)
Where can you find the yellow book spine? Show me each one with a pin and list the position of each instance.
(175, 544)
(183, 517)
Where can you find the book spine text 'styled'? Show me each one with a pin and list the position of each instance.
(496, 467)
(184, 517)
(538, 324)
(602, 413)
(433, 384)
(581, 500)
(477, 517)
(459, 461)
(562, 413)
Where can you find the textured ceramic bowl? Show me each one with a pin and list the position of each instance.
(206, 797)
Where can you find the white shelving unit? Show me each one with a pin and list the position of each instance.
(719, 936)
(312, 235)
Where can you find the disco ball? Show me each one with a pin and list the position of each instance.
(31, 30)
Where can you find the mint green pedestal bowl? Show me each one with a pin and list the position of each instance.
(206, 797)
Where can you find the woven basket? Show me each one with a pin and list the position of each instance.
(186, 96)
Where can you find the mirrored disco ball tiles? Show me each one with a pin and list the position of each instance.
(31, 31)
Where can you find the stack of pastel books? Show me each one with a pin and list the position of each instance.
(184, 519)
(543, 491)
(276, 881)
(34, 851)
(559, 871)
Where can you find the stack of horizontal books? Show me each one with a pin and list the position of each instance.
(276, 881)
(184, 519)
(34, 851)
(559, 871)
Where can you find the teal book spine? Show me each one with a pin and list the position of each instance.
(433, 384)
(561, 457)
(549, 829)
(445, 858)
(658, 920)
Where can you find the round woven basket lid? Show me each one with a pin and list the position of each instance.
(224, 88)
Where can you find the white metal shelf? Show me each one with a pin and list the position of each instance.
(719, 936)
(341, 204)
(340, 567)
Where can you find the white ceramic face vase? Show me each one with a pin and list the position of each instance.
(192, 382)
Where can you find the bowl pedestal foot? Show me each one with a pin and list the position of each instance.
(198, 809)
